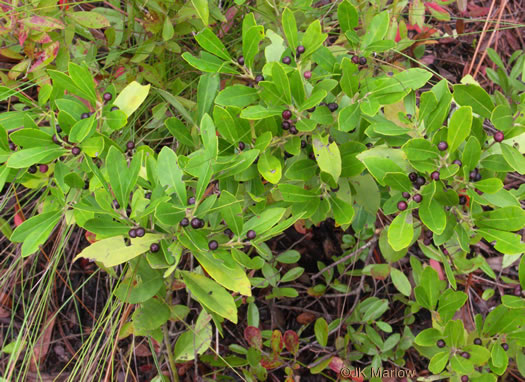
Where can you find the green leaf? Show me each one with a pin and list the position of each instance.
(28, 157)
(280, 79)
(179, 131)
(376, 30)
(490, 186)
(501, 118)
(522, 272)
(313, 39)
(296, 194)
(237, 95)
(315, 98)
(476, 97)
(170, 174)
(514, 158)
(290, 28)
(398, 181)
(471, 154)
(420, 149)
(292, 275)
(343, 211)
(321, 331)
(347, 15)
(201, 7)
(401, 281)
(150, 315)
(131, 97)
(379, 167)
(206, 91)
(428, 337)
(348, 117)
(438, 362)
(83, 79)
(506, 242)
(120, 178)
(90, 20)
(327, 156)
(459, 127)
(116, 119)
(231, 211)
(211, 295)
(35, 231)
(250, 44)
(259, 112)
(82, 129)
(449, 303)
(208, 63)
(461, 365)
(28, 138)
(270, 167)
(135, 290)
(401, 231)
(510, 218)
(264, 221)
(433, 215)
(114, 250)
(196, 340)
(499, 356)
(210, 42)
(289, 257)
(167, 29)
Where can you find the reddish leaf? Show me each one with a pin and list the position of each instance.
(291, 341)
(91, 237)
(19, 216)
(336, 364)
(271, 362)
(120, 71)
(277, 343)
(253, 336)
(305, 318)
(437, 267)
(22, 36)
(436, 7)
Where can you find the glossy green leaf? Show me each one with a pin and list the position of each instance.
(401, 231)
(476, 97)
(35, 231)
(514, 158)
(432, 214)
(28, 157)
(343, 211)
(321, 331)
(459, 127)
(89, 19)
(270, 167)
(313, 38)
(206, 91)
(196, 340)
(231, 211)
(327, 156)
(237, 95)
(347, 16)
(131, 97)
(202, 9)
(210, 42)
(401, 281)
(280, 79)
(290, 28)
(250, 44)
(376, 30)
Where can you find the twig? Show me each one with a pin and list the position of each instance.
(483, 32)
(345, 258)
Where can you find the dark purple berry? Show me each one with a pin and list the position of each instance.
(31, 169)
(259, 78)
(362, 61)
(43, 168)
(213, 245)
(462, 199)
(116, 204)
(58, 128)
(240, 60)
(420, 181)
(442, 146)
(84, 116)
(251, 234)
(287, 60)
(130, 145)
(75, 151)
(307, 75)
(405, 195)
(86, 184)
(196, 223)
(191, 200)
(465, 355)
(440, 344)
(435, 175)
(55, 139)
(141, 232)
(26, 108)
(242, 146)
(412, 176)
(505, 346)
(311, 110)
(477, 341)
(332, 106)
(303, 144)
(148, 195)
(402, 205)
(185, 222)
(300, 49)
(355, 59)
(409, 117)
(132, 233)
(12, 146)
(499, 136)
(285, 125)
(477, 178)
(154, 247)
(287, 114)
(293, 130)
(107, 96)
(417, 198)
(228, 232)
(113, 108)
(464, 378)
(458, 162)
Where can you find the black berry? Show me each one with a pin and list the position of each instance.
(505, 346)
(332, 106)
(213, 245)
(412, 176)
(435, 175)
(184, 222)
(303, 144)
(442, 146)
(12, 146)
(130, 145)
(440, 344)
(259, 78)
(293, 130)
(499, 136)
(417, 198)
(31, 169)
(251, 234)
(75, 151)
(132, 232)
(240, 60)
(311, 110)
(464, 378)
(115, 204)
(191, 200)
(458, 162)
(300, 49)
(355, 59)
(107, 96)
(405, 195)
(84, 116)
(287, 114)
(465, 355)
(287, 60)
(26, 108)
(462, 199)
(241, 146)
(285, 125)
(307, 74)
(140, 232)
(477, 341)
(228, 232)
(55, 139)
(58, 128)
(196, 223)
(402, 205)
(362, 61)
(148, 195)
(154, 247)
(113, 108)
(420, 181)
